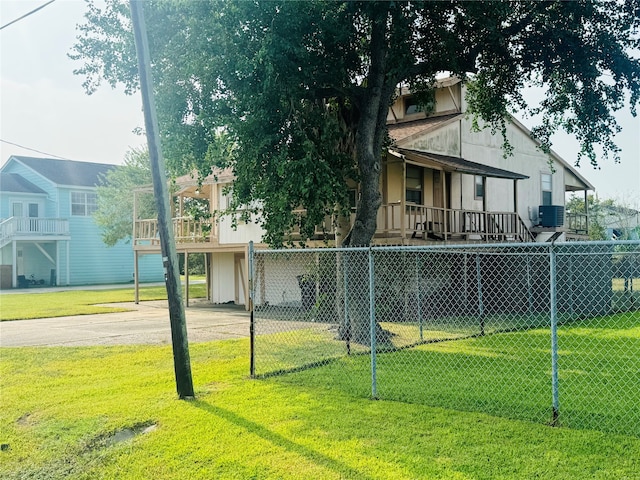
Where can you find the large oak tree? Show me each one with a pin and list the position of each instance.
(302, 89)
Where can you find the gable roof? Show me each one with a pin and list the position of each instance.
(66, 172)
(406, 130)
(13, 182)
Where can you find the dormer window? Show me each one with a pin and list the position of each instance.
(411, 106)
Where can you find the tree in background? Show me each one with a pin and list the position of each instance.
(609, 218)
(302, 89)
(114, 215)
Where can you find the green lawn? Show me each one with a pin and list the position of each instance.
(61, 407)
(79, 302)
(506, 374)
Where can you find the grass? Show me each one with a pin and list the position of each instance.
(61, 407)
(507, 374)
(79, 302)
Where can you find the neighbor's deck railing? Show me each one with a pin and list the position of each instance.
(577, 223)
(32, 226)
(185, 230)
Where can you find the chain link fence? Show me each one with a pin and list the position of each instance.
(543, 332)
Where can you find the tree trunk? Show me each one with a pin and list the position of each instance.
(373, 106)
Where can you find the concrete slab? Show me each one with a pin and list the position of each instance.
(146, 323)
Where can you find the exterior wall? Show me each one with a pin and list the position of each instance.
(7, 199)
(242, 234)
(485, 148)
(150, 268)
(222, 277)
(444, 141)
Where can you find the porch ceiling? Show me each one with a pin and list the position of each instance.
(454, 164)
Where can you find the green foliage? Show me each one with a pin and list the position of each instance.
(61, 405)
(114, 215)
(79, 302)
(622, 215)
(300, 90)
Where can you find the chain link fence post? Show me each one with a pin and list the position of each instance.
(252, 330)
(372, 319)
(554, 336)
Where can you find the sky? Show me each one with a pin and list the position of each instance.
(44, 107)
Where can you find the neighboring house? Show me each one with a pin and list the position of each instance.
(47, 232)
(620, 223)
(441, 182)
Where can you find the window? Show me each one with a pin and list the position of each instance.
(83, 204)
(16, 209)
(547, 191)
(414, 184)
(353, 199)
(33, 210)
(479, 187)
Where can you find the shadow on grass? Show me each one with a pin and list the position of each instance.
(277, 439)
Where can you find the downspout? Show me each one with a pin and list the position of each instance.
(586, 208)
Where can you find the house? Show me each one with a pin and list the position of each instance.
(442, 182)
(47, 233)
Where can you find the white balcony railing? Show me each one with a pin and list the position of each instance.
(29, 227)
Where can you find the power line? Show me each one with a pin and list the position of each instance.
(27, 14)
(33, 149)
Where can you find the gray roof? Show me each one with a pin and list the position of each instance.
(460, 165)
(67, 172)
(13, 182)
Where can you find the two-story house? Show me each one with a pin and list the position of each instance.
(47, 232)
(442, 182)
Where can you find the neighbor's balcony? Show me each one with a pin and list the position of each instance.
(185, 230)
(577, 223)
(29, 227)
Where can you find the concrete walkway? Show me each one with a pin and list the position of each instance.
(147, 323)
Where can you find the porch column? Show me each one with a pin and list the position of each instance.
(186, 277)
(443, 181)
(14, 266)
(136, 283)
(515, 196)
(586, 208)
(403, 203)
(207, 279)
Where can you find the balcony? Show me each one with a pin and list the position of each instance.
(421, 222)
(185, 230)
(30, 228)
(434, 223)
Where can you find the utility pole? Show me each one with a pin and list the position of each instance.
(181, 360)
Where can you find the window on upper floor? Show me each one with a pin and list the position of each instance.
(547, 190)
(83, 204)
(479, 187)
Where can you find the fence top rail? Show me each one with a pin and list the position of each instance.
(458, 247)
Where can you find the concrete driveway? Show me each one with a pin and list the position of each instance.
(147, 323)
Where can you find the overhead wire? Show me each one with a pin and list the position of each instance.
(33, 150)
(27, 14)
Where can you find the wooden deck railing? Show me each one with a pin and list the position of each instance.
(577, 223)
(185, 230)
(449, 224)
(416, 221)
